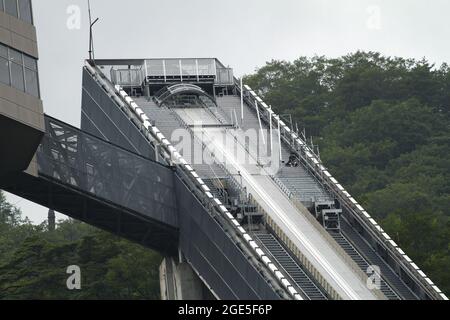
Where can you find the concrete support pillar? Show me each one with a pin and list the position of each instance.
(179, 282)
(51, 220)
(147, 91)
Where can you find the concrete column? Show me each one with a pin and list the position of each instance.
(51, 220)
(179, 282)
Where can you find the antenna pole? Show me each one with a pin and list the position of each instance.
(90, 30)
(271, 131)
(91, 34)
(242, 101)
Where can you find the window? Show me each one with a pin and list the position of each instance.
(30, 63)
(31, 82)
(4, 71)
(11, 8)
(15, 56)
(25, 11)
(3, 50)
(19, 70)
(18, 8)
(17, 76)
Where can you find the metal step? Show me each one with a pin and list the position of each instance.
(373, 258)
(362, 263)
(290, 266)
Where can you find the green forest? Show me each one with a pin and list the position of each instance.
(382, 125)
(34, 260)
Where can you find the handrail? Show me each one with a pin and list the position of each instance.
(283, 187)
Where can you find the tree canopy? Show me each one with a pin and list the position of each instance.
(34, 260)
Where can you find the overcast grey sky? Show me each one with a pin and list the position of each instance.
(241, 33)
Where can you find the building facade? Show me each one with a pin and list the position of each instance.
(21, 110)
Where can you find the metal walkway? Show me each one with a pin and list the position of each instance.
(362, 263)
(389, 276)
(292, 268)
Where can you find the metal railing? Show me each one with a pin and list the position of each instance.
(127, 77)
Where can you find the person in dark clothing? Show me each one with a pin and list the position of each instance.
(293, 161)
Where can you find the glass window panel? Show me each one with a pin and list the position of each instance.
(124, 77)
(155, 68)
(189, 67)
(25, 10)
(15, 56)
(135, 75)
(173, 67)
(17, 76)
(31, 82)
(206, 67)
(30, 63)
(3, 50)
(4, 71)
(225, 76)
(11, 7)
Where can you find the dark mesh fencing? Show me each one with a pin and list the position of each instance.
(107, 171)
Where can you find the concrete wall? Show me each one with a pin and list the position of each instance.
(15, 104)
(179, 282)
(21, 107)
(18, 34)
(21, 114)
(22, 120)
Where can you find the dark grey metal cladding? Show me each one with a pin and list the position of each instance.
(95, 211)
(215, 256)
(101, 117)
